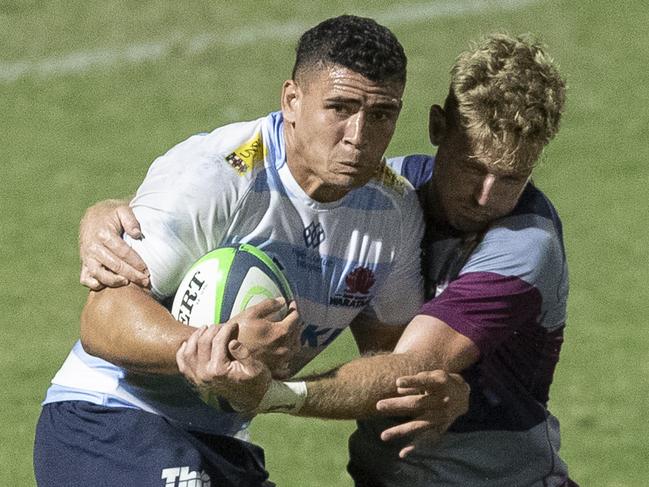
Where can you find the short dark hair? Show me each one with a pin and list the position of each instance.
(356, 43)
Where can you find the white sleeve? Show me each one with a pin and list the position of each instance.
(402, 294)
(183, 206)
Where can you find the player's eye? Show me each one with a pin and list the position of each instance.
(380, 116)
(340, 109)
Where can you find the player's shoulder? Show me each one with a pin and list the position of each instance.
(237, 146)
(391, 194)
(533, 201)
(527, 243)
(392, 185)
(535, 218)
(230, 155)
(388, 179)
(416, 168)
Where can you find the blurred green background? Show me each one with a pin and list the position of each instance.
(91, 92)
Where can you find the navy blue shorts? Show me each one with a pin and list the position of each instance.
(82, 444)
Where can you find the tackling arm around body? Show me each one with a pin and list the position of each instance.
(353, 390)
(350, 391)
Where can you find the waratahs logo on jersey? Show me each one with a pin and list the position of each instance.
(359, 283)
(360, 280)
(247, 156)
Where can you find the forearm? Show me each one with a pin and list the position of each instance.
(128, 328)
(352, 390)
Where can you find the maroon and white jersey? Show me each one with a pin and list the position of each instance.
(506, 290)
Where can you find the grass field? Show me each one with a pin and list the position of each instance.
(91, 92)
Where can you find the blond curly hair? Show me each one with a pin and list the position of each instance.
(510, 97)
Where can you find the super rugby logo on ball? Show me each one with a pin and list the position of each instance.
(225, 282)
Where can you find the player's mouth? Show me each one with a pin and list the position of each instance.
(353, 166)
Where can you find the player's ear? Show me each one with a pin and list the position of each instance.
(290, 100)
(436, 125)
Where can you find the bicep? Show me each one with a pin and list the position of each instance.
(169, 247)
(438, 344)
(183, 206)
(175, 232)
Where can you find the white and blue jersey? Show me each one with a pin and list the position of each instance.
(508, 295)
(360, 254)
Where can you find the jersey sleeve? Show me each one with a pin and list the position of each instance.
(514, 282)
(183, 207)
(401, 296)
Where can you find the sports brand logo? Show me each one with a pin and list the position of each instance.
(237, 163)
(359, 282)
(183, 477)
(247, 156)
(314, 235)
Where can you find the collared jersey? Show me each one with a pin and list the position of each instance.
(360, 254)
(508, 294)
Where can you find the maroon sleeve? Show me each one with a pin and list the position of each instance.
(486, 307)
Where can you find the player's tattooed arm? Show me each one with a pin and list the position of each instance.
(106, 260)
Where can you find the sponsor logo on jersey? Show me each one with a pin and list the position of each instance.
(358, 282)
(311, 261)
(247, 156)
(314, 235)
(391, 179)
(183, 477)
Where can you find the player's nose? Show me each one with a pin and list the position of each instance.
(355, 130)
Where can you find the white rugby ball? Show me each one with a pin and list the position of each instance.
(225, 282)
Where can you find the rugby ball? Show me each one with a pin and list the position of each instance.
(225, 282)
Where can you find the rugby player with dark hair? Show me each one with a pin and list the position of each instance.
(118, 408)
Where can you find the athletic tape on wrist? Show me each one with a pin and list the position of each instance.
(283, 397)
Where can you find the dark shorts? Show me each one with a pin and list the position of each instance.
(82, 444)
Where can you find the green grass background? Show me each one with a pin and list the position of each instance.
(67, 140)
